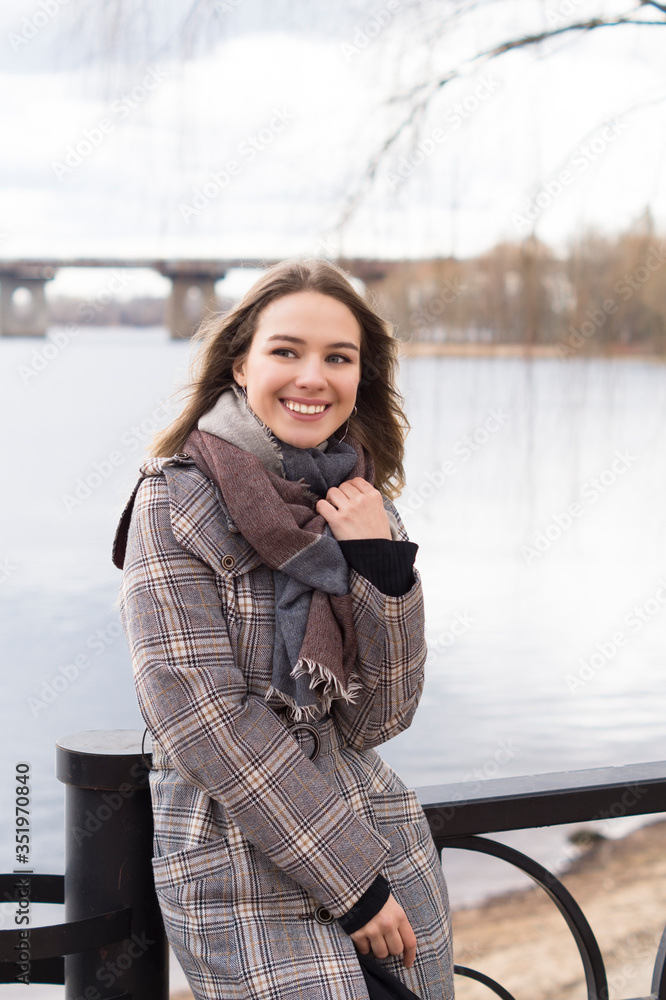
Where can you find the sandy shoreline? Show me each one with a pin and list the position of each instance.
(521, 940)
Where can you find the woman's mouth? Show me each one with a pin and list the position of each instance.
(302, 410)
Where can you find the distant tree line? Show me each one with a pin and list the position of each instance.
(605, 294)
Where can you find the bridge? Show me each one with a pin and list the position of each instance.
(24, 311)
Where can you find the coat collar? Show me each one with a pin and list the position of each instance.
(195, 504)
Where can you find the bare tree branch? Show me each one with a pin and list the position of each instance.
(423, 93)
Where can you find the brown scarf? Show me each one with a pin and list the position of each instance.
(315, 639)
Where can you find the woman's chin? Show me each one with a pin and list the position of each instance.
(302, 439)
(303, 433)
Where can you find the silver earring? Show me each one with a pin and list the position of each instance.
(352, 414)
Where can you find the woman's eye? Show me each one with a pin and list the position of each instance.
(282, 351)
(339, 358)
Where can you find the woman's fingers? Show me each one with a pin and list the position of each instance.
(409, 945)
(348, 491)
(388, 933)
(355, 510)
(353, 486)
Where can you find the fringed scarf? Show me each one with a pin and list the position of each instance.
(270, 489)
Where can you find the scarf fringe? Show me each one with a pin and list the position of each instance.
(301, 713)
(331, 691)
(324, 681)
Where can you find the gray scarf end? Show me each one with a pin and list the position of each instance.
(300, 713)
(329, 687)
(332, 691)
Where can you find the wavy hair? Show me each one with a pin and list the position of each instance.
(223, 342)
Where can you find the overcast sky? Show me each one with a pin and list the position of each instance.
(242, 132)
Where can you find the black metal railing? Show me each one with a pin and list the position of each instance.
(459, 814)
(112, 945)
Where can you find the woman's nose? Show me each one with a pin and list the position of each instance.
(311, 373)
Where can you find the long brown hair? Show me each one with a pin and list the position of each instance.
(222, 342)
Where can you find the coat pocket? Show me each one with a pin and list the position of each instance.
(192, 863)
(398, 808)
(402, 822)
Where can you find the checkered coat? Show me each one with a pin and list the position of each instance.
(257, 846)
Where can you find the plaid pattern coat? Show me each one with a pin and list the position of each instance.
(257, 846)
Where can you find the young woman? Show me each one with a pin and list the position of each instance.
(275, 622)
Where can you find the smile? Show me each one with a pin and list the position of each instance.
(305, 408)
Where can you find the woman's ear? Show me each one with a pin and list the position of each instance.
(239, 377)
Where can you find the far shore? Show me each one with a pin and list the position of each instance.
(430, 348)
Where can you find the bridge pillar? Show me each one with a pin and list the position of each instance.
(192, 299)
(24, 314)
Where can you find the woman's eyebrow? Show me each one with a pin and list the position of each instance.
(299, 340)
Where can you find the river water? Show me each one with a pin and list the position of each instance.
(536, 494)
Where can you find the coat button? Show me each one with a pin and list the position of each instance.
(228, 562)
(323, 916)
(182, 456)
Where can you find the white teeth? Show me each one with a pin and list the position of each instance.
(303, 407)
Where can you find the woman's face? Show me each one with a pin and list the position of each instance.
(303, 367)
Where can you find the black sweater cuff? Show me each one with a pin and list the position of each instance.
(386, 563)
(367, 907)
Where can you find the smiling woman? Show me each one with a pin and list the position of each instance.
(319, 299)
(303, 368)
(276, 625)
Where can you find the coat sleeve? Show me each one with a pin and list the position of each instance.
(233, 746)
(390, 632)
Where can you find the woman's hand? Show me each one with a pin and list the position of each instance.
(355, 509)
(388, 933)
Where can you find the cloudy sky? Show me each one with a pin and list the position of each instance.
(243, 128)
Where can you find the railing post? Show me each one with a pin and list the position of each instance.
(108, 851)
